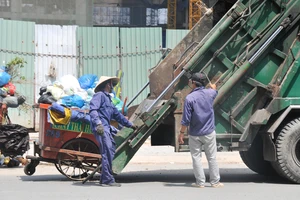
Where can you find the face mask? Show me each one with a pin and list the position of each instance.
(111, 87)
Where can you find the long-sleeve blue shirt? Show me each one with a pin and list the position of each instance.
(102, 111)
(198, 111)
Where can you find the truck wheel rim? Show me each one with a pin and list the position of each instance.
(296, 152)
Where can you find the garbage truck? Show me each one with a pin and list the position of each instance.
(252, 55)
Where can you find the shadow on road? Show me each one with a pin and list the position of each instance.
(238, 175)
(171, 177)
(43, 178)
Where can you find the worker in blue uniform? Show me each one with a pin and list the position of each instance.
(102, 111)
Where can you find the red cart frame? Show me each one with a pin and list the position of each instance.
(72, 148)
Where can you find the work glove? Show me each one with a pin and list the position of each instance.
(134, 127)
(100, 129)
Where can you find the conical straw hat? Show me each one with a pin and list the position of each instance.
(115, 81)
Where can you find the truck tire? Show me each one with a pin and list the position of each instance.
(254, 160)
(288, 151)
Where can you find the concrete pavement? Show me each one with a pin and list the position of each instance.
(154, 173)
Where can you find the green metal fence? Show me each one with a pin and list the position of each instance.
(104, 51)
(17, 40)
(141, 50)
(173, 37)
(100, 51)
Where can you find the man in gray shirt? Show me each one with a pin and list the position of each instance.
(198, 114)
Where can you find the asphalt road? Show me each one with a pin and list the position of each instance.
(154, 173)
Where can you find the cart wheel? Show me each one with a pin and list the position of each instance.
(29, 169)
(76, 167)
(58, 167)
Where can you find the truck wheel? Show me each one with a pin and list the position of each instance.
(254, 158)
(288, 151)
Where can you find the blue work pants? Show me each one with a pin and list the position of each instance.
(107, 149)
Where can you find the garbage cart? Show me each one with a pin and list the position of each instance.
(72, 148)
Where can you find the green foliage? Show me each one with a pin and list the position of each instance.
(13, 68)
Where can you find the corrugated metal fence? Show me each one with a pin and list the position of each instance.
(55, 48)
(173, 37)
(17, 40)
(141, 50)
(54, 51)
(105, 50)
(98, 50)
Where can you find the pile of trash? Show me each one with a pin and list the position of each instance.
(14, 138)
(74, 93)
(12, 161)
(7, 90)
(14, 142)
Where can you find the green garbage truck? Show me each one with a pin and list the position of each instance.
(253, 56)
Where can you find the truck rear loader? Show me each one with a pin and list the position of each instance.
(252, 55)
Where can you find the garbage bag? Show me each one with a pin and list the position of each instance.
(70, 84)
(119, 106)
(118, 103)
(3, 92)
(13, 162)
(60, 117)
(21, 99)
(4, 78)
(73, 101)
(11, 88)
(46, 98)
(82, 93)
(76, 116)
(14, 101)
(88, 81)
(42, 90)
(80, 116)
(3, 69)
(90, 92)
(115, 100)
(2, 157)
(11, 101)
(56, 92)
(14, 139)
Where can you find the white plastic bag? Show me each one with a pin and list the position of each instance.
(70, 84)
(56, 92)
(82, 93)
